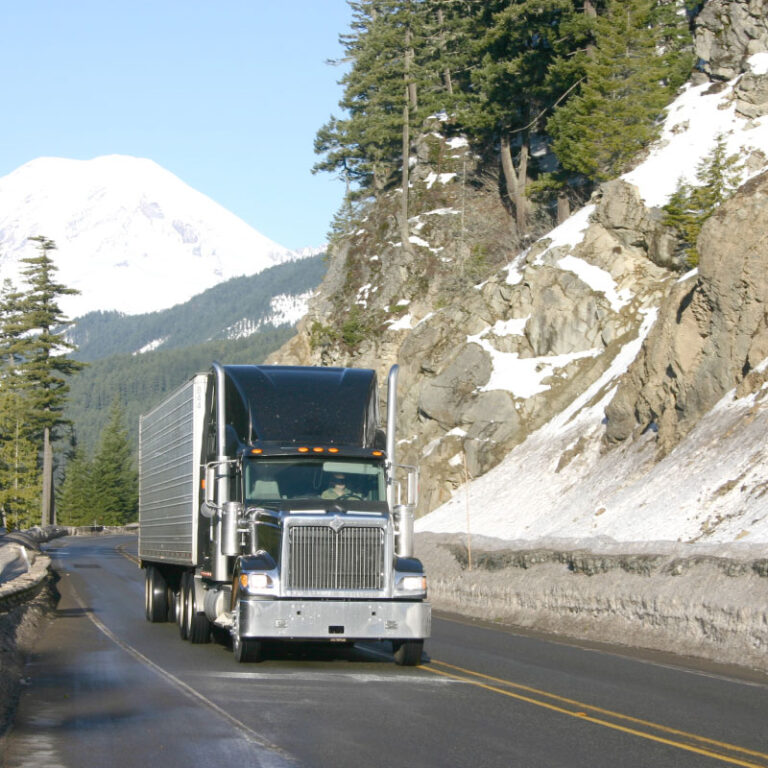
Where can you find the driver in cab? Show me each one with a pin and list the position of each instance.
(337, 487)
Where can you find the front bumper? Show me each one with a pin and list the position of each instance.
(334, 619)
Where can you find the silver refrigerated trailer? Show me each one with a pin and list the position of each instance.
(271, 508)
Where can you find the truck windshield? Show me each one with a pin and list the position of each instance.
(269, 480)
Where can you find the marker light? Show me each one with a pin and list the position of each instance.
(333, 450)
(303, 449)
(378, 453)
(257, 450)
(317, 449)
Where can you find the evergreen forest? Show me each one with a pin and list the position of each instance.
(84, 386)
(587, 79)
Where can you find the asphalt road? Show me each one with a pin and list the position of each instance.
(106, 688)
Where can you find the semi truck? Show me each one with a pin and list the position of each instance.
(272, 509)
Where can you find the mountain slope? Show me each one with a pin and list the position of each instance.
(233, 309)
(498, 360)
(132, 237)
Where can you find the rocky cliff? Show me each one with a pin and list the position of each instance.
(712, 332)
(495, 337)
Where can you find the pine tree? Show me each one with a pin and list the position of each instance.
(75, 498)
(718, 176)
(33, 348)
(20, 485)
(638, 60)
(512, 84)
(114, 481)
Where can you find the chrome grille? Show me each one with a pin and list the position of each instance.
(321, 558)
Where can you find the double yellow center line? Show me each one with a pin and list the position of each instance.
(691, 742)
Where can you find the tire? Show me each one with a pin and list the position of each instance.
(245, 649)
(155, 595)
(182, 607)
(408, 652)
(198, 628)
(172, 598)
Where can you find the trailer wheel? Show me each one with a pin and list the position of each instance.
(408, 652)
(172, 599)
(155, 595)
(198, 628)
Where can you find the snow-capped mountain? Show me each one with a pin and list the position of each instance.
(131, 236)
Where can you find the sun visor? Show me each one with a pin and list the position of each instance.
(295, 404)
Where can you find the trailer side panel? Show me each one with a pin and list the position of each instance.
(169, 470)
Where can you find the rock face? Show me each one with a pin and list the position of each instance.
(484, 362)
(728, 32)
(712, 332)
(494, 341)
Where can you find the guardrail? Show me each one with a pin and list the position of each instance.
(26, 586)
(23, 586)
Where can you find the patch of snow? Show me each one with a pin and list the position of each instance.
(442, 178)
(285, 309)
(758, 63)
(288, 308)
(457, 142)
(362, 295)
(694, 121)
(597, 279)
(425, 318)
(442, 212)
(688, 275)
(403, 323)
(523, 377)
(151, 346)
(570, 232)
(513, 327)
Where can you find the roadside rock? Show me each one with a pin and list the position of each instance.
(711, 333)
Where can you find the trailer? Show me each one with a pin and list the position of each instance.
(271, 508)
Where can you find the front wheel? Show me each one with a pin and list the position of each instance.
(245, 649)
(408, 652)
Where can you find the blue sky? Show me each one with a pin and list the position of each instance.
(226, 95)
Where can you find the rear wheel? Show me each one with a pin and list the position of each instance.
(408, 652)
(155, 595)
(182, 607)
(172, 599)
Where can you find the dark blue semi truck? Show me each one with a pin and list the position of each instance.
(272, 508)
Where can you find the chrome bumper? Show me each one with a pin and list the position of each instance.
(335, 619)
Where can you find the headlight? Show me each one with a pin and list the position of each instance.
(416, 583)
(255, 582)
